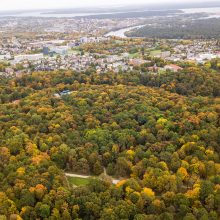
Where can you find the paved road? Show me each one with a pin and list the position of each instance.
(114, 181)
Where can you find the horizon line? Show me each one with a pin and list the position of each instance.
(117, 6)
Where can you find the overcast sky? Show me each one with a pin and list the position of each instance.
(49, 4)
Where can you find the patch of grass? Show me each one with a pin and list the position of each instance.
(133, 55)
(78, 181)
(161, 71)
(76, 49)
(119, 42)
(155, 52)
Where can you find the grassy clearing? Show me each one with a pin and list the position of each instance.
(119, 41)
(155, 52)
(78, 181)
(133, 55)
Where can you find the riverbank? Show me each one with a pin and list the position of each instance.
(121, 32)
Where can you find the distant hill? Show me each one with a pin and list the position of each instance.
(133, 14)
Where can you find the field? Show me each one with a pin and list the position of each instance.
(119, 41)
(78, 181)
(155, 52)
(133, 55)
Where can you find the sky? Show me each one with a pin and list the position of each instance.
(49, 4)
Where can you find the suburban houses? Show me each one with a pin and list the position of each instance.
(85, 45)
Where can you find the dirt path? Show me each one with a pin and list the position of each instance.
(77, 175)
(114, 181)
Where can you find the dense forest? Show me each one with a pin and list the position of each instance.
(159, 134)
(187, 82)
(180, 28)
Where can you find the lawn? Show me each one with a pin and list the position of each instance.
(119, 41)
(77, 181)
(133, 55)
(155, 52)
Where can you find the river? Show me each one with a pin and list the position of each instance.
(121, 32)
(212, 13)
